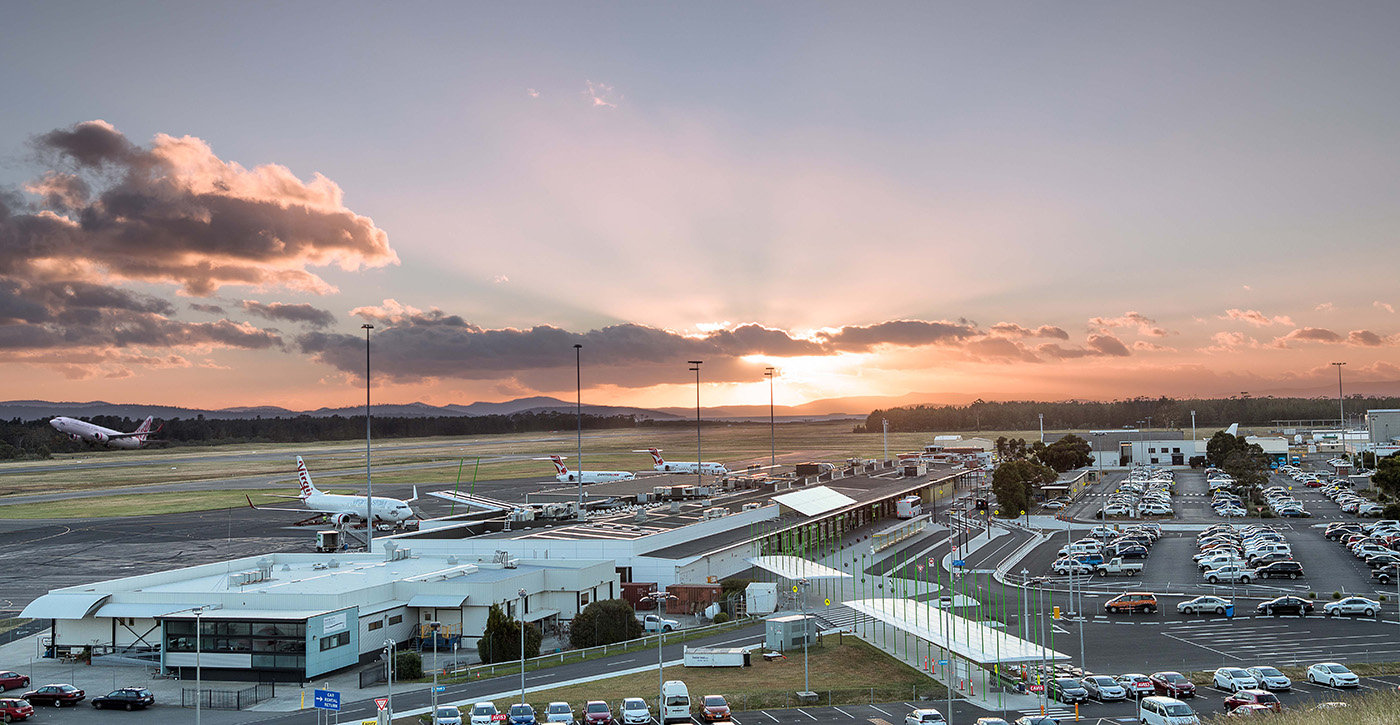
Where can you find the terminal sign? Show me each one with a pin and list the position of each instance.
(326, 700)
(943, 663)
(958, 562)
(1037, 688)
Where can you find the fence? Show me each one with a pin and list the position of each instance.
(227, 699)
(373, 675)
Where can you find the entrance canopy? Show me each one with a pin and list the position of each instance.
(966, 638)
(793, 567)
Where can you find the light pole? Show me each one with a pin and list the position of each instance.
(578, 376)
(523, 595)
(658, 596)
(1341, 410)
(699, 467)
(802, 585)
(1042, 427)
(1193, 431)
(435, 626)
(198, 673)
(389, 651)
(772, 429)
(885, 424)
(369, 487)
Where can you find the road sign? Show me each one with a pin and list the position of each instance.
(381, 702)
(943, 663)
(439, 688)
(930, 561)
(326, 700)
(828, 602)
(958, 562)
(1037, 688)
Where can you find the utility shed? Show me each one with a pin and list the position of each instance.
(788, 632)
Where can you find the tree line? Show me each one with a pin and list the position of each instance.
(36, 439)
(1088, 414)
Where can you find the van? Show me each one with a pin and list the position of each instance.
(1080, 547)
(1157, 710)
(676, 702)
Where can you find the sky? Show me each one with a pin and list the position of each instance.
(201, 204)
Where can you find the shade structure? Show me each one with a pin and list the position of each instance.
(795, 567)
(814, 501)
(965, 638)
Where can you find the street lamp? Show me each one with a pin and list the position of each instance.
(198, 673)
(802, 584)
(699, 466)
(523, 596)
(435, 626)
(1341, 411)
(369, 487)
(772, 430)
(390, 647)
(578, 375)
(658, 596)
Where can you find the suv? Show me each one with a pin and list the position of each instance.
(1132, 602)
(1287, 569)
(127, 698)
(483, 713)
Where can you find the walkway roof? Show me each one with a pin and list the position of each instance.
(966, 638)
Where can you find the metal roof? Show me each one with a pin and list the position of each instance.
(145, 610)
(795, 567)
(966, 638)
(814, 501)
(539, 614)
(74, 605)
(441, 601)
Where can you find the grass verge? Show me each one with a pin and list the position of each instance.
(144, 504)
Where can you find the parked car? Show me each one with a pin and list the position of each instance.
(1254, 697)
(559, 712)
(1286, 569)
(484, 713)
(1136, 685)
(1132, 602)
(1333, 674)
(714, 708)
(1165, 711)
(126, 698)
(1270, 678)
(13, 708)
(1233, 679)
(1104, 688)
(922, 716)
(12, 679)
(521, 713)
(1066, 565)
(1066, 690)
(56, 695)
(1036, 720)
(595, 712)
(447, 715)
(655, 623)
(1206, 603)
(1352, 605)
(1284, 605)
(1173, 684)
(635, 711)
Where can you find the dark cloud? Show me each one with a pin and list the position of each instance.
(1011, 329)
(303, 313)
(1309, 334)
(905, 333)
(1365, 338)
(211, 309)
(89, 144)
(1101, 345)
(1000, 349)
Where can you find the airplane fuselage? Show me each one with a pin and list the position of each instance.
(595, 476)
(333, 504)
(83, 430)
(707, 468)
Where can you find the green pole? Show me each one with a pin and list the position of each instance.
(453, 508)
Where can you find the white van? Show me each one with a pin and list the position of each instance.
(676, 705)
(1079, 547)
(1165, 711)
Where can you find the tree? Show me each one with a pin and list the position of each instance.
(500, 642)
(1219, 447)
(1013, 483)
(1387, 475)
(408, 665)
(1066, 454)
(604, 622)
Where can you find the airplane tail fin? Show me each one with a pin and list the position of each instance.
(656, 456)
(146, 429)
(559, 465)
(415, 495)
(1233, 429)
(307, 487)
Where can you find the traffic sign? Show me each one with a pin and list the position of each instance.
(828, 602)
(381, 702)
(326, 700)
(439, 688)
(1037, 688)
(943, 663)
(958, 562)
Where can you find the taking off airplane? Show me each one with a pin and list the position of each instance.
(564, 475)
(81, 430)
(341, 508)
(708, 468)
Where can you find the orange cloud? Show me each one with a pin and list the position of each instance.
(1256, 318)
(1144, 324)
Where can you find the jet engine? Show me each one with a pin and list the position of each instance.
(100, 437)
(342, 519)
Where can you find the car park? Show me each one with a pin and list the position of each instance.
(559, 712)
(126, 698)
(484, 713)
(1132, 602)
(1208, 603)
(56, 695)
(1232, 679)
(13, 708)
(1254, 697)
(1270, 678)
(447, 715)
(521, 713)
(1066, 690)
(595, 712)
(1104, 688)
(1136, 685)
(1352, 605)
(1332, 674)
(922, 716)
(10, 680)
(1172, 684)
(714, 708)
(1285, 605)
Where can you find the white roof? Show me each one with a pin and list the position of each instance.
(539, 614)
(814, 501)
(142, 610)
(74, 605)
(793, 567)
(440, 601)
(967, 638)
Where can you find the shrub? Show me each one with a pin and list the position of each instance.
(721, 618)
(1312, 595)
(408, 666)
(1336, 595)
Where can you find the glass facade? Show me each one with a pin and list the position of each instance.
(279, 645)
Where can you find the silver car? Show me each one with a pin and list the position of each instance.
(447, 715)
(559, 712)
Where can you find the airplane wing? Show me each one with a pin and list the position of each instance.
(302, 510)
(136, 434)
(467, 500)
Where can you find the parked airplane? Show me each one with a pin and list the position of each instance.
(343, 509)
(80, 430)
(706, 467)
(564, 475)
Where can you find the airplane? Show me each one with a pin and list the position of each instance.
(564, 475)
(340, 508)
(706, 467)
(81, 430)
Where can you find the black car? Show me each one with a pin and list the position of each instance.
(1386, 574)
(56, 695)
(1287, 569)
(1337, 531)
(127, 698)
(1379, 560)
(1132, 551)
(1285, 605)
(1269, 558)
(1067, 690)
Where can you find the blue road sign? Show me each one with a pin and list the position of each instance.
(958, 562)
(439, 688)
(326, 700)
(943, 663)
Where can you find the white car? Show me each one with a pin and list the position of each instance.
(1270, 678)
(447, 715)
(635, 711)
(559, 712)
(1116, 509)
(1232, 512)
(483, 713)
(1229, 573)
(1218, 559)
(1234, 679)
(1352, 605)
(923, 717)
(1136, 685)
(1067, 565)
(653, 623)
(1331, 673)
(1203, 604)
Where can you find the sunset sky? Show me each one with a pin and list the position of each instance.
(200, 204)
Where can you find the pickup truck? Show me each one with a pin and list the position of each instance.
(654, 623)
(1118, 566)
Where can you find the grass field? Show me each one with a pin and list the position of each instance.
(143, 504)
(843, 670)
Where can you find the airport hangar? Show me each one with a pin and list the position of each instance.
(293, 617)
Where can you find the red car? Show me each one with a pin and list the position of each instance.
(1254, 697)
(56, 695)
(597, 712)
(13, 708)
(1313, 483)
(713, 708)
(12, 679)
(1173, 684)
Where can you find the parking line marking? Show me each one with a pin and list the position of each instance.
(1208, 649)
(770, 717)
(804, 712)
(876, 708)
(843, 712)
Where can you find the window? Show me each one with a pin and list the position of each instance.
(375, 625)
(1151, 450)
(334, 641)
(582, 601)
(396, 619)
(1176, 450)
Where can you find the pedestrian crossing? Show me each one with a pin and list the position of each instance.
(837, 617)
(1059, 713)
